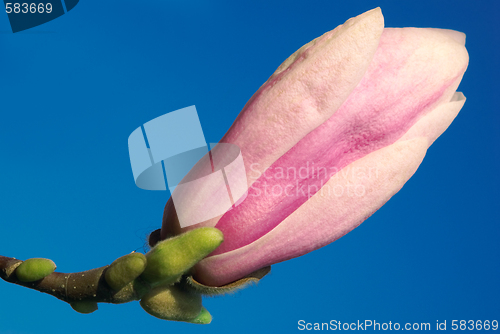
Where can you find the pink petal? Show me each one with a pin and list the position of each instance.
(412, 72)
(330, 214)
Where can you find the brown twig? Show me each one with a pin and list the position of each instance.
(85, 286)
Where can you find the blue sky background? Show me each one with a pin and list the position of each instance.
(72, 91)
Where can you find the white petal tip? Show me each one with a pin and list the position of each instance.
(457, 36)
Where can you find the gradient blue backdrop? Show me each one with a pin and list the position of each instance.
(72, 91)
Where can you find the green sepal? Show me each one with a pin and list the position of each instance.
(125, 269)
(170, 258)
(190, 283)
(35, 269)
(84, 307)
(172, 303)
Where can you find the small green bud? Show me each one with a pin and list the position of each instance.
(84, 307)
(204, 318)
(125, 269)
(35, 269)
(170, 258)
(172, 303)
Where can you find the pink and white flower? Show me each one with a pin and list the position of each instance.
(355, 110)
